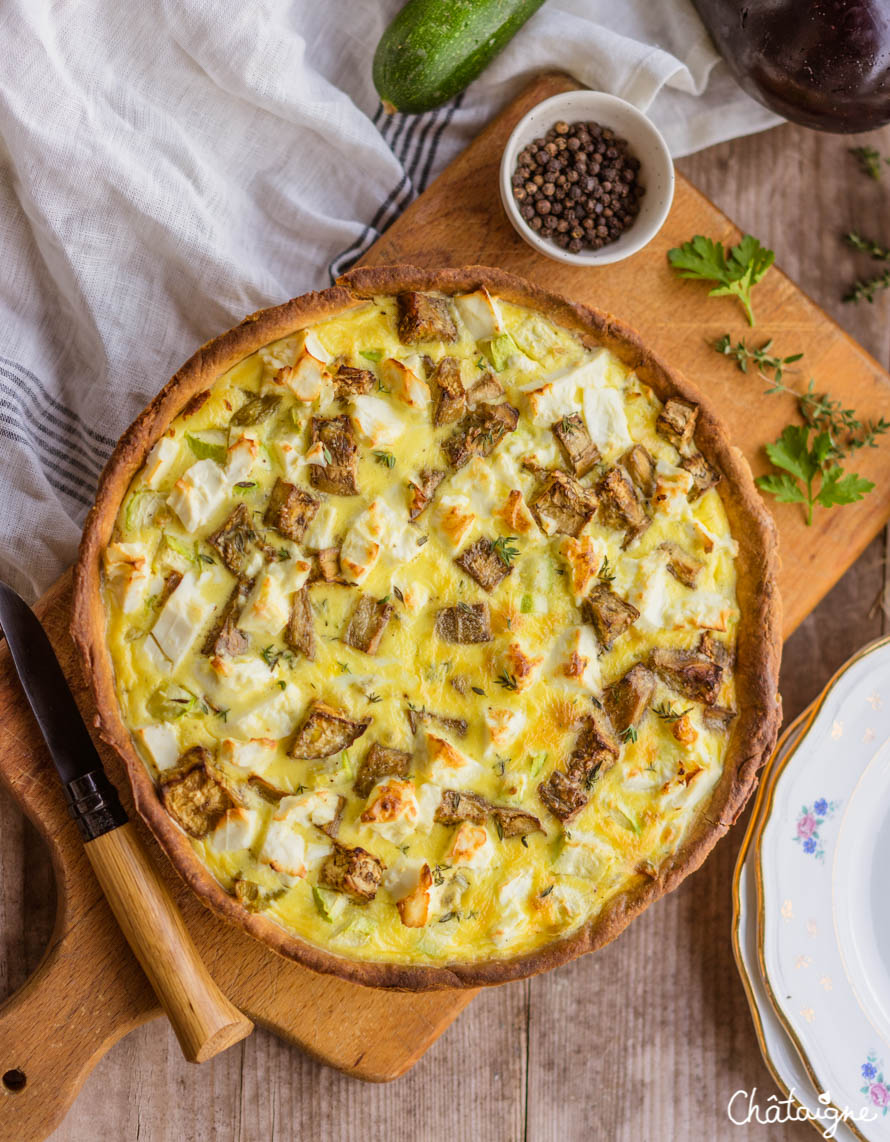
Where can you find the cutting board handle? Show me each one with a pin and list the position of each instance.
(49, 1043)
(205, 1021)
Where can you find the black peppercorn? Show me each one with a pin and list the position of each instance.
(578, 185)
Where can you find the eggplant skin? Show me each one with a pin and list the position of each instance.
(821, 63)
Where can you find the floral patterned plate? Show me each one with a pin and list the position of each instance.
(821, 861)
(778, 1051)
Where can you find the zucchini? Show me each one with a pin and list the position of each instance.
(434, 48)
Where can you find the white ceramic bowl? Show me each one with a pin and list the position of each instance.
(644, 142)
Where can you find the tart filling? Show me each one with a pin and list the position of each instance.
(423, 621)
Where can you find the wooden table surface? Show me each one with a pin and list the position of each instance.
(643, 1042)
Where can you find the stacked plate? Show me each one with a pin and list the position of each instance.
(811, 926)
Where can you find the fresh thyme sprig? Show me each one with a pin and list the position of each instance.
(507, 680)
(606, 573)
(867, 289)
(869, 160)
(668, 714)
(385, 458)
(868, 246)
(761, 356)
(848, 433)
(506, 549)
(629, 734)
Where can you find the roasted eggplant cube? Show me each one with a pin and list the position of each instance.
(236, 540)
(457, 806)
(325, 731)
(352, 382)
(465, 623)
(562, 796)
(225, 640)
(482, 562)
(423, 317)
(367, 624)
(448, 388)
(421, 493)
(596, 735)
(290, 510)
(514, 822)
(676, 422)
(608, 614)
(620, 507)
(256, 410)
(192, 795)
(683, 566)
(718, 718)
(339, 475)
(248, 894)
(299, 634)
(703, 475)
(418, 717)
(380, 761)
(640, 466)
(691, 674)
(488, 388)
(328, 559)
(577, 447)
(479, 433)
(628, 699)
(563, 505)
(717, 650)
(353, 871)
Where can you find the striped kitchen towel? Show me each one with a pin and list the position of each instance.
(167, 166)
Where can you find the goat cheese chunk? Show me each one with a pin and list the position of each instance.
(183, 618)
(198, 493)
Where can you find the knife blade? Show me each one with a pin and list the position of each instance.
(204, 1020)
(92, 799)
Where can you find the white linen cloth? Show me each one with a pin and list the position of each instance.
(167, 166)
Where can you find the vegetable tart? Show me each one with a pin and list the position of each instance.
(435, 620)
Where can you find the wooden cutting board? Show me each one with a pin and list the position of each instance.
(88, 991)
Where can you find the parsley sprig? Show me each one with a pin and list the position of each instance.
(761, 356)
(802, 465)
(736, 270)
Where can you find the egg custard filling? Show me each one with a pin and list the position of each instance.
(423, 622)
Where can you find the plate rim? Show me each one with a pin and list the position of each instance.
(763, 809)
(745, 849)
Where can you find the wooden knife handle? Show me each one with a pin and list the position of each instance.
(205, 1021)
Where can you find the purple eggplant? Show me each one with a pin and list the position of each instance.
(822, 63)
